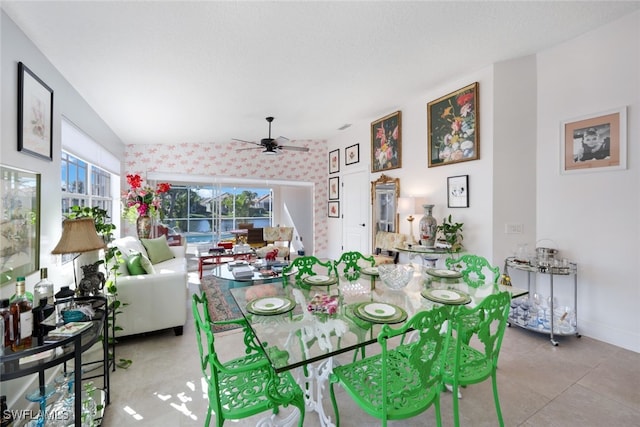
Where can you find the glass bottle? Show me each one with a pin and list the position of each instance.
(44, 288)
(22, 318)
(428, 227)
(5, 325)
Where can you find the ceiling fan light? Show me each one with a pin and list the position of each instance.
(270, 152)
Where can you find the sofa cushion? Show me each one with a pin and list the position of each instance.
(134, 264)
(157, 249)
(128, 245)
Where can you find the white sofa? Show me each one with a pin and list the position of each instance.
(154, 301)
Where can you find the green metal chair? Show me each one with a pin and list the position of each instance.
(466, 364)
(350, 263)
(307, 266)
(474, 269)
(402, 381)
(243, 386)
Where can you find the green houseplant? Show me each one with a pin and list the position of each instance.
(112, 260)
(451, 233)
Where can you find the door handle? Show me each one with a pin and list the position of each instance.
(362, 225)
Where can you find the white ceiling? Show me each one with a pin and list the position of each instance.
(208, 71)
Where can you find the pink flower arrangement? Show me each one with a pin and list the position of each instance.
(142, 199)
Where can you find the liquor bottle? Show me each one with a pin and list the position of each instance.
(43, 289)
(22, 318)
(5, 325)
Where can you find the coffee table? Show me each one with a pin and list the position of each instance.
(214, 258)
(223, 272)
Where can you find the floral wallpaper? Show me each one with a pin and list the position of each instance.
(222, 159)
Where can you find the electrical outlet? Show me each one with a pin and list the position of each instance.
(511, 228)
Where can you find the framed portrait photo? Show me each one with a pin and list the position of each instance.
(334, 209)
(352, 154)
(334, 161)
(386, 143)
(458, 191)
(453, 134)
(334, 188)
(594, 143)
(35, 115)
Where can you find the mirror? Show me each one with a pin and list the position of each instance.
(384, 198)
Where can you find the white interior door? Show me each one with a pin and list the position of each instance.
(356, 196)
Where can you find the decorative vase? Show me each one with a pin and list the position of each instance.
(143, 226)
(428, 227)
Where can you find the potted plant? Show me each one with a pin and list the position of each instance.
(112, 260)
(451, 235)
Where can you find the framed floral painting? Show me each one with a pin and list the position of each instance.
(334, 188)
(35, 115)
(386, 143)
(334, 209)
(352, 154)
(334, 161)
(453, 127)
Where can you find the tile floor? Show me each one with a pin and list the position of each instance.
(582, 382)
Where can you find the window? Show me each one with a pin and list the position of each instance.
(209, 213)
(84, 184)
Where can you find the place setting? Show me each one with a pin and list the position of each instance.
(320, 280)
(270, 306)
(446, 296)
(379, 312)
(443, 273)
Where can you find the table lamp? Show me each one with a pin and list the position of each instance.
(406, 206)
(78, 236)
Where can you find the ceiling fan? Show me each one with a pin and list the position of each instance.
(270, 145)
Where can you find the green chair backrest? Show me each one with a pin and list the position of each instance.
(350, 263)
(308, 266)
(474, 269)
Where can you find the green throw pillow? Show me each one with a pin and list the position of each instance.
(157, 249)
(134, 264)
(146, 264)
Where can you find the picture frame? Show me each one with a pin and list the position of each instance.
(333, 209)
(334, 188)
(386, 143)
(594, 143)
(458, 191)
(20, 205)
(334, 161)
(35, 115)
(453, 121)
(352, 154)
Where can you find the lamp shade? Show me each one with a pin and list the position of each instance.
(406, 205)
(78, 235)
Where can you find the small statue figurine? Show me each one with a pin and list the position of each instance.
(93, 280)
(271, 255)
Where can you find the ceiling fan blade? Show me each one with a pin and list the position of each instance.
(293, 148)
(248, 142)
(249, 148)
(282, 140)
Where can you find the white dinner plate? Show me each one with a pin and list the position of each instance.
(370, 270)
(270, 304)
(449, 274)
(376, 309)
(318, 278)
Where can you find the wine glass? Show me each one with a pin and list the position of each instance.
(40, 395)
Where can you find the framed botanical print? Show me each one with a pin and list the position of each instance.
(334, 188)
(453, 135)
(386, 143)
(458, 191)
(594, 143)
(334, 161)
(352, 154)
(334, 209)
(35, 115)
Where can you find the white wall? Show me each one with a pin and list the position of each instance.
(594, 216)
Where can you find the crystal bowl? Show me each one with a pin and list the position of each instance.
(395, 276)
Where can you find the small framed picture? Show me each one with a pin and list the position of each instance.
(458, 191)
(334, 161)
(594, 143)
(352, 154)
(35, 115)
(334, 209)
(334, 188)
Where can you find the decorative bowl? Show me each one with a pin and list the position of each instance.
(395, 276)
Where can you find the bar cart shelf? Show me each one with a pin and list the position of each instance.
(555, 323)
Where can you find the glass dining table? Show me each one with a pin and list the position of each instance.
(295, 332)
